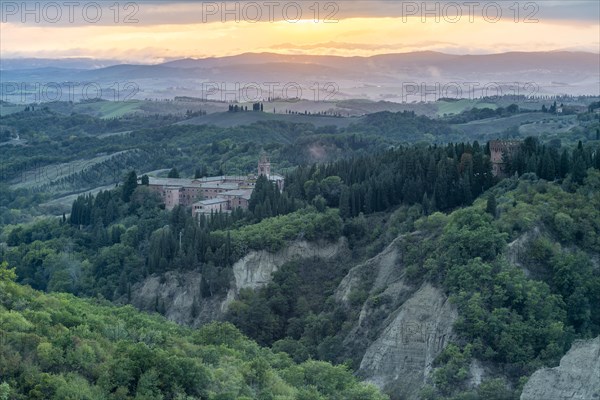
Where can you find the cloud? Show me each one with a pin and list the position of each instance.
(357, 46)
(162, 33)
(190, 11)
(152, 12)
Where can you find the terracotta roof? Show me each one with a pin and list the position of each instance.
(207, 183)
(210, 202)
(172, 182)
(226, 186)
(243, 193)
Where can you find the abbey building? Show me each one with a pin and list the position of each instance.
(212, 194)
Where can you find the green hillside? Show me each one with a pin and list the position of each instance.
(60, 347)
(228, 120)
(399, 199)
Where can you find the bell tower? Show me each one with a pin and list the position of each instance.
(264, 165)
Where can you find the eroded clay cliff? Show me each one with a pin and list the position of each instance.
(399, 337)
(576, 378)
(178, 295)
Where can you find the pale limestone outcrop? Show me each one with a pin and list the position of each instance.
(520, 247)
(256, 269)
(384, 265)
(402, 357)
(178, 295)
(576, 378)
(401, 328)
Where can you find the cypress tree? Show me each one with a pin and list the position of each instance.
(490, 207)
(579, 170)
(129, 186)
(565, 164)
(547, 170)
(425, 204)
(344, 202)
(173, 173)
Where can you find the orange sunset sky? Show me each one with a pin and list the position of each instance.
(159, 31)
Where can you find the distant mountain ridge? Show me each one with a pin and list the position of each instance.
(375, 77)
(76, 63)
(333, 61)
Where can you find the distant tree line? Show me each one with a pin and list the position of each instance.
(475, 114)
(550, 163)
(255, 107)
(268, 201)
(440, 178)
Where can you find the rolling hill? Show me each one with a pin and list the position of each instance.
(377, 77)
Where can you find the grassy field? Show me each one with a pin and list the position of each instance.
(492, 126)
(111, 134)
(9, 108)
(549, 126)
(63, 204)
(227, 119)
(362, 107)
(39, 177)
(118, 109)
(456, 107)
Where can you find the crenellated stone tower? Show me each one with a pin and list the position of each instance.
(264, 165)
(498, 150)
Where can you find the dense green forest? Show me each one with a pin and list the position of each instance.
(118, 237)
(114, 239)
(363, 184)
(59, 154)
(86, 152)
(519, 318)
(440, 178)
(61, 347)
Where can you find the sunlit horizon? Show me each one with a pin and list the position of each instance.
(359, 32)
